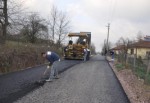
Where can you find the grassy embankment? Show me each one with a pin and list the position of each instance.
(139, 71)
(15, 56)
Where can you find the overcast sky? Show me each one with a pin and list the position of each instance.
(126, 17)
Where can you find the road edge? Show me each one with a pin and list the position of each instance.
(120, 83)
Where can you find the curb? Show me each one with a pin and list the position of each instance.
(124, 92)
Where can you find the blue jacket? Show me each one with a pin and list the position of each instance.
(52, 57)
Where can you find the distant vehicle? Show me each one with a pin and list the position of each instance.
(77, 43)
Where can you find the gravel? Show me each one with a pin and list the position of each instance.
(89, 82)
(17, 84)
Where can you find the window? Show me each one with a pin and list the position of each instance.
(148, 53)
(132, 51)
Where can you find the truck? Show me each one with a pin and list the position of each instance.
(78, 42)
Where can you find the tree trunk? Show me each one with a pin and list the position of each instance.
(4, 25)
(3, 35)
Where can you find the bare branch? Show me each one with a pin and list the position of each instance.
(34, 27)
(53, 20)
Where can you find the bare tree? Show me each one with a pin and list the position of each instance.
(139, 36)
(104, 47)
(3, 20)
(59, 24)
(10, 14)
(124, 45)
(93, 48)
(63, 26)
(53, 21)
(16, 16)
(34, 28)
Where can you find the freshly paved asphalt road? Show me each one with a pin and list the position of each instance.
(17, 84)
(89, 82)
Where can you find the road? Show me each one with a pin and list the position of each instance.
(17, 84)
(89, 82)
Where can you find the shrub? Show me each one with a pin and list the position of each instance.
(119, 66)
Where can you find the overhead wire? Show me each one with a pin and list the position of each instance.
(111, 10)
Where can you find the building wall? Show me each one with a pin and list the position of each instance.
(140, 52)
(116, 52)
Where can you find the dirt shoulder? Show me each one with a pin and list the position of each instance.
(134, 87)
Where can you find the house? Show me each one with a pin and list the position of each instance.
(118, 49)
(147, 38)
(140, 48)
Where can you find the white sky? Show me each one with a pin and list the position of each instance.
(126, 17)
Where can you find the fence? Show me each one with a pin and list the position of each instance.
(140, 67)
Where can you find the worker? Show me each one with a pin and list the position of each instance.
(70, 46)
(53, 58)
(112, 54)
(85, 54)
(70, 42)
(88, 54)
(83, 42)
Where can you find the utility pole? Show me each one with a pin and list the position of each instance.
(108, 36)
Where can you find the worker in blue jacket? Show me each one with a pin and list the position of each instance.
(52, 57)
(112, 54)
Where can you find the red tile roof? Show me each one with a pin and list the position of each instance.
(118, 47)
(140, 44)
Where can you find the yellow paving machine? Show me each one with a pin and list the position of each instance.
(76, 45)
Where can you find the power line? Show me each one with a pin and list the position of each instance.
(111, 10)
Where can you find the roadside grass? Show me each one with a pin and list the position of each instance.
(139, 71)
(119, 66)
(15, 56)
(147, 80)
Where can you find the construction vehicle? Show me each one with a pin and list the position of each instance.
(78, 42)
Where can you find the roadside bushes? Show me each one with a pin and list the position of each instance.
(14, 57)
(137, 65)
(16, 60)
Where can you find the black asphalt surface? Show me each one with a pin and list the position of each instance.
(88, 82)
(17, 84)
